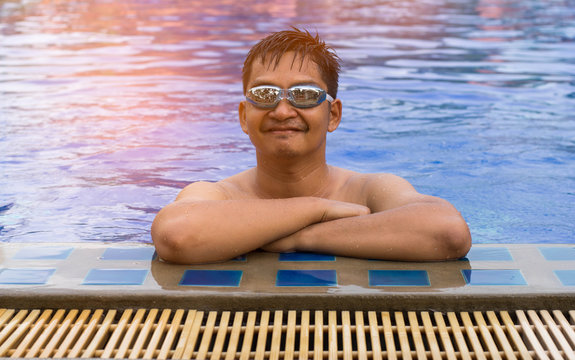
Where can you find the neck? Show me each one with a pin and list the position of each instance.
(285, 180)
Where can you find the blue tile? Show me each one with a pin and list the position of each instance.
(301, 256)
(558, 253)
(129, 253)
(493, 277)
(43, 253)
(567, 277)
(398, 278)
(488, 254)
(212, 278)
(306, 278)
(25, 276)
(115, 277)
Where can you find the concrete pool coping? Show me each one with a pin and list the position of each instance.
(493, 276)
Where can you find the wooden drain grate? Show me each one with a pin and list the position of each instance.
(191, 334)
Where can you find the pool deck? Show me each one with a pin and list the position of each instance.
(105, 275)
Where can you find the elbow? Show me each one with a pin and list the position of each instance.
(456, 238)
(171, 242)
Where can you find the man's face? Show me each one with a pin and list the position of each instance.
(286, 130)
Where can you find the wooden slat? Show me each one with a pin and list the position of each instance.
(276, 335)
(360, 336)
(193, 334)
(518, 343)
(218, 347)
(116, 335)
(248, 336)
(143, 334)
(209, 328)
(188, 335)
(153, 346)
(185, 335)
(543, 334)
(9, 328)
(346, 335)
(403, 336)
(100, 336)
(458, 335)
(430, 335)
(387, 335)
(558, 336)
(318, 336)
(304, 336)
(565, 327)
(531, 337)
(64, 348)
(171, 335)
(472, 335)
(86, 334)
(444, 336)
(500, 335)
(374, 337)
(262, 335)
(17, 328)
(416, 335)
(290, 335)
(131, 331)
(332, 335)
(34, 335)
(234, 336)
(60, 333)
(486, 335)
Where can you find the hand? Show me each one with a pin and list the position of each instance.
(339, 209)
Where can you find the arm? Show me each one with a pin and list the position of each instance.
(403, 225)
(202, 225)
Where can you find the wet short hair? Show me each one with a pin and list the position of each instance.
(303, 44)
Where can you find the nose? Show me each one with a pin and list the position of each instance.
(283, 110)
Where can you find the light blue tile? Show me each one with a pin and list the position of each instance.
(488, 254)
(306, 278)
(129, 253)
(43, 253)
(493, 277)
(558, 253)
(116, 277)
(225, 278)
(398, 278)
(301, 256)
(567, 277)
(25, 276)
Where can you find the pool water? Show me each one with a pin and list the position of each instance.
(107, 109)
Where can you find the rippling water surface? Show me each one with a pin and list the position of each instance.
(108, 108)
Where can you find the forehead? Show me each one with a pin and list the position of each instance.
(290, 70)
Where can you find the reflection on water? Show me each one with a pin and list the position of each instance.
(108, 108)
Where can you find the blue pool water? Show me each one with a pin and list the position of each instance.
(108, 108)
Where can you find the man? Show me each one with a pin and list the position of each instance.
(293, 200)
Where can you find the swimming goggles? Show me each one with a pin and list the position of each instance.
(300, 96)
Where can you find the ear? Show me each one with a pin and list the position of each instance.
(335, 111)
(243, 117)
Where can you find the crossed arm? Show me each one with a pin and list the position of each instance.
(202, 225)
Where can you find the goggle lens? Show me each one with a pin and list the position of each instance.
(298, 96)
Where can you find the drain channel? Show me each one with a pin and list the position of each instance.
(191, 334)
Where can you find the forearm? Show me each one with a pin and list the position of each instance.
(415, 232)
(208, 231)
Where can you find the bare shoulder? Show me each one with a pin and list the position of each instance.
(202, 190)
(383, 191)
(231, 188)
